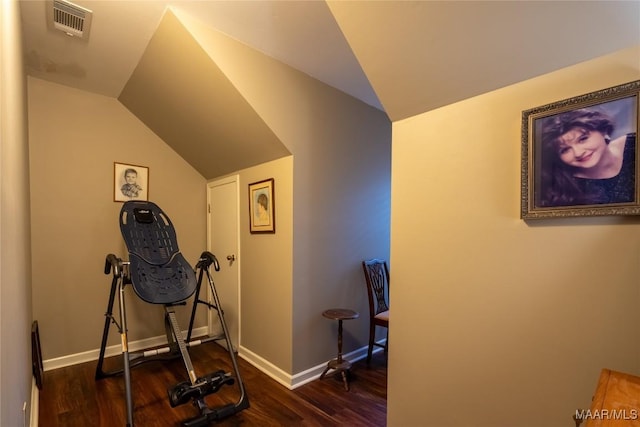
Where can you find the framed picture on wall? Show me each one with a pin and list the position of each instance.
(130, 182)
(36, 355)
(580, 155)
(262, 218)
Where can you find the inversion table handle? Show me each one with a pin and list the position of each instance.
(206, 259)
(115, 262)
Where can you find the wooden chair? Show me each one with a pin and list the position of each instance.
(376, 273)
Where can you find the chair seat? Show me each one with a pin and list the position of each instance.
(384, 315)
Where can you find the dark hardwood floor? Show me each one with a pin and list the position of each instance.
(71, 397)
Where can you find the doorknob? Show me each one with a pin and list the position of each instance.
(231, 258)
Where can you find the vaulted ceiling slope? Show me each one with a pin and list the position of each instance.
(404, 57)
(421, 55)
(300, 33)
(180, 93)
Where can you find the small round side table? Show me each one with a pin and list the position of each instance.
(339, 364)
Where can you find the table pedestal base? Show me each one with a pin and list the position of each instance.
(339, 365)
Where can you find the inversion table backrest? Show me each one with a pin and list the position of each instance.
(159, 273)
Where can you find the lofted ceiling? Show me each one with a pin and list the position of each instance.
(194, 108)
(402, 57)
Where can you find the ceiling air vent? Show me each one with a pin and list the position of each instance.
(70, 18)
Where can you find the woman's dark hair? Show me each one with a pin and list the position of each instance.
(263, 200)
(556, 126)
(557, 183)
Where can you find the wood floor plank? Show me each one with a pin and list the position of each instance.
(72, 397)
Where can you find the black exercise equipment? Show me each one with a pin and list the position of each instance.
(160, 274)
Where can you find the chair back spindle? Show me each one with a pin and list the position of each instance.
(376, 273)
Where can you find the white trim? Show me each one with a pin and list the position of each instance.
(35, 404)
(265, 366)
(294, 381)
(272, 371)
(91, 355)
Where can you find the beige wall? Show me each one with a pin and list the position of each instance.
(341, 216)
(341, 170)
(15, 257)
(341, 189)
(266, 269)
(499, 322)
(75, 138)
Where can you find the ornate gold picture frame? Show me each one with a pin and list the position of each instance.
(580, 156)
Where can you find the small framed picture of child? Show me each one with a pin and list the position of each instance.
(130, 182)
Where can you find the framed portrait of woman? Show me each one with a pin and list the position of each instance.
(262, 217)
(580, 155)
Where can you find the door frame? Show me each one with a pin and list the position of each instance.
(210, 185)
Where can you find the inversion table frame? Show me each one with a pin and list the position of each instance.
(159, 275)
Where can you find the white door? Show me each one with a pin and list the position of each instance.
(224, 242)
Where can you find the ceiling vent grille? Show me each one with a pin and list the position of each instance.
(72, 19)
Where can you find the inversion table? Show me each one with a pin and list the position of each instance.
(159, 274)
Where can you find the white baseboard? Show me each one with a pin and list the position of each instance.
(35, 404)
(114, 350)
(265, 366)
(268, 368)
(301, 378)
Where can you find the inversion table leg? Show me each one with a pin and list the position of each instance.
(108, 318)
(177, 335)
(230, 347)
(125, 357)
